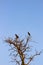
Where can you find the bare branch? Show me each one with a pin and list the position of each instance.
(19, 47)
(32, 57)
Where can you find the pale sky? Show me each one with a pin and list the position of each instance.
(21, 16)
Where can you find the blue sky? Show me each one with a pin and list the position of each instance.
(21, 16)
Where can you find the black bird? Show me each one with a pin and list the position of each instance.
(29, 33)
(16, 36)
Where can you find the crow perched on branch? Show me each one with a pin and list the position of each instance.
(29, 33)
(16, 36)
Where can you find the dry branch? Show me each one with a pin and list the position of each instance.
(21, 47)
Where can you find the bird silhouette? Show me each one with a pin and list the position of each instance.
(29, 33)
(16, 36)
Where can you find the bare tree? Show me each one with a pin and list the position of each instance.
(20, 50)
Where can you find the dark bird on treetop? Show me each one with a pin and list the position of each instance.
(29, 33)
(16, 36)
